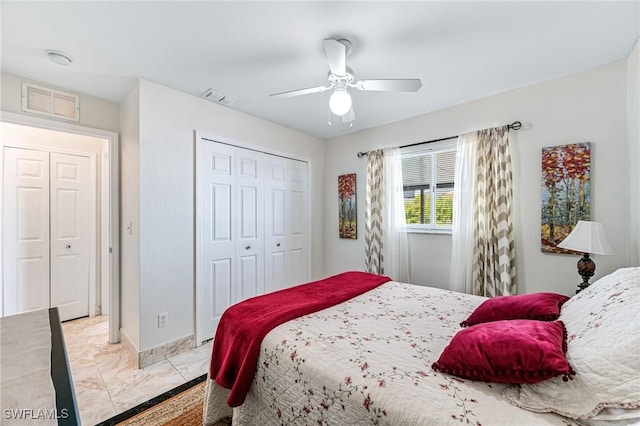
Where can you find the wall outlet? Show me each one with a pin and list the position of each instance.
(163, 319)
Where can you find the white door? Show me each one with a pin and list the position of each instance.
(298, 241)
(286, 219)
(46, 239)
(276, 228)
(230, 197)
(69, 192)
(252, 220)
(26, 230)
(216, 259)
(249, 235)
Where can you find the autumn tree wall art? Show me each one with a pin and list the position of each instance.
(347, 217)
(565, 192)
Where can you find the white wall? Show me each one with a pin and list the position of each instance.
(130, 217)
(633, 137)
(94, 112)
(586, 107)
(165, 223)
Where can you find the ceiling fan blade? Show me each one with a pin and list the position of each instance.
(336, 56)
(349, 116)
(300, 92)
(390, 85)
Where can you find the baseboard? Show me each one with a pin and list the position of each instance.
(133, 352)
(159, 353)
(167, 350)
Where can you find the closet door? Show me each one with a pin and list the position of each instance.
(287, 223)
(252, 220)
(47, 232)
(231, 230)
(249, 232)
(26, 230)
(298, 223)
(276, 228)
(216, 213)
(70, 234)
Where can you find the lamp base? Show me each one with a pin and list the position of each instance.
(586, 269)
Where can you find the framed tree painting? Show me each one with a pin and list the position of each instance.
(347, 215)
(566, 192)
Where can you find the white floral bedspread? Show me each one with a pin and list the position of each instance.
(368, 361)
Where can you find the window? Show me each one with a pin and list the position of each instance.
(428, 173)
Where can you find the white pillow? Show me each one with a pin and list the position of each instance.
(603, 348)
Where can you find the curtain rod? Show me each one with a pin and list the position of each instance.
(516, 125)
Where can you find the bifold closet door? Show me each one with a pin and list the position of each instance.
(26, 230)
(249, 232)
(298, 225)
(252, 227)
(276, 228)
(231, 230)
(70, 229)
(216, 210)
(46, 232)
(286, 223)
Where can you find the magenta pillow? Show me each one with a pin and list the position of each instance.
(517, 351)
(533, 306)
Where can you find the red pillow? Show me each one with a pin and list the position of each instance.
(534, 306)
(518, 351)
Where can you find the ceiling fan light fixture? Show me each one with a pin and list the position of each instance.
(340, 101)
(340, 78)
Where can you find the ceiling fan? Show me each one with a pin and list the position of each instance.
(341, 80)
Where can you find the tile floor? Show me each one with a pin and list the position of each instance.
(104, 377)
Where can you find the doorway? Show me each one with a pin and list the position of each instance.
(36, 134)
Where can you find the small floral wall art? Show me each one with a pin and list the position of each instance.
(566, 192)
(347, 216)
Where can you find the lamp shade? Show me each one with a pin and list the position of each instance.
(587, 237)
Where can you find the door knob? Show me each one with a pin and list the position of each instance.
(247, 247)
(68, 246)
(278, 245)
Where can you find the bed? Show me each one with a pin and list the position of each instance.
(369, 360)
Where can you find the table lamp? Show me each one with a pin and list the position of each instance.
(588, 238)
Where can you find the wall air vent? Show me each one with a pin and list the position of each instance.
(219, 98)
(50, 102)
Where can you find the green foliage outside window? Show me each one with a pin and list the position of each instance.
(444, 208)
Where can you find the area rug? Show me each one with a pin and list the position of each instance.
(179, 406)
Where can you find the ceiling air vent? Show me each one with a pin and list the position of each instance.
(52, 103)
(214, 96)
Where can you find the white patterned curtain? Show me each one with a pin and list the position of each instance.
(487, 233)
(374, 202)
(386, 246)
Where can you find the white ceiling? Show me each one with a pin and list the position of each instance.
(247, 50)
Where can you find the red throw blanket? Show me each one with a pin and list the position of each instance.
(242, 327)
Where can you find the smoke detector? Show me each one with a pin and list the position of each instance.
(58, 57)
(215, 96)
